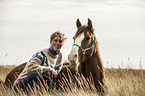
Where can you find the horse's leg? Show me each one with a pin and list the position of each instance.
(100, 86)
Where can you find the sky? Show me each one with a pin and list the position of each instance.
(26, 26)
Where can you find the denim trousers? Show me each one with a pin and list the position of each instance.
(44, 80)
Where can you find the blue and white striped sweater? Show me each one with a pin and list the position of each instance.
(47, 62)
(40, 62)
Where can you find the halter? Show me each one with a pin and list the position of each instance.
(84, 50)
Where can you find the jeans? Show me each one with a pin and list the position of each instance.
(43, 81)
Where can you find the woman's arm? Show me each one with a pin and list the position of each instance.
(35, 66)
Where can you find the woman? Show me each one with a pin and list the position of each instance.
(43, 67)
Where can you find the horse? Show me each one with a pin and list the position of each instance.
(85, 48)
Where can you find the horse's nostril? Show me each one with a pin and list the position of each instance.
(76, 55)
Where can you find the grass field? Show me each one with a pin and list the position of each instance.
(121, 82)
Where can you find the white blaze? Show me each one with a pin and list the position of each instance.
(73, 56)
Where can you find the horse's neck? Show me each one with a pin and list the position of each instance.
(93, 61)
(96, 55)
(86, 67)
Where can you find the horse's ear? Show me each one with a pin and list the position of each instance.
(90, 25)
(78, 23)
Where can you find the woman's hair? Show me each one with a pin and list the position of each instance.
(59, 34)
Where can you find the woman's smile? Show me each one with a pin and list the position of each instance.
(56, 43)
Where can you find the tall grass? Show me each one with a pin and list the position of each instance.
(121, 82)
(125, 82)
(4, 70)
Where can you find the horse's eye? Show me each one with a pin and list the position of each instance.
(88, 38)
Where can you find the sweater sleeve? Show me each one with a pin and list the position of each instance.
(36, 62)
(58, 68)
(35, 66)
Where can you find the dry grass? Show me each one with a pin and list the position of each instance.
(4, 70)
(125, 82)
(121, 82)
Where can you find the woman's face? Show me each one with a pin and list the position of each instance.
(56, 43)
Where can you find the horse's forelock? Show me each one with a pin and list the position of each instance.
(79, 31)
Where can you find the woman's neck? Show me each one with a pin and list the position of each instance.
(53, 52)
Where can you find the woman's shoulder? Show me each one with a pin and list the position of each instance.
(41, 52)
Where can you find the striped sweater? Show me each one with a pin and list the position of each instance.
(40, 62)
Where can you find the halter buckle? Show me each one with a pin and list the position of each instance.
(83, 51)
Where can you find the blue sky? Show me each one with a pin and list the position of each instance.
(26, 25)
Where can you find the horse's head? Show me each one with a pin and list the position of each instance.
(84, 40)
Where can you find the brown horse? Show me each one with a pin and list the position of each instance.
(86, 48)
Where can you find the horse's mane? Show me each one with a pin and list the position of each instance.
(79, 31)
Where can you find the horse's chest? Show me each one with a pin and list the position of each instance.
(87, 69)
